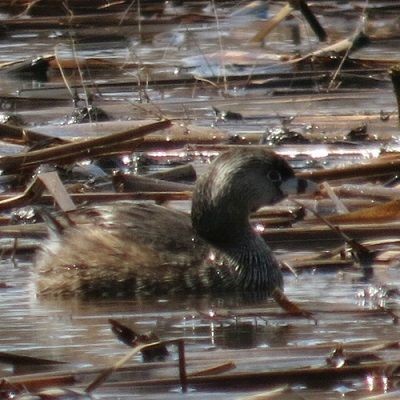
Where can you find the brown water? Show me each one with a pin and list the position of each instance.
(78, 332)
(256, 335)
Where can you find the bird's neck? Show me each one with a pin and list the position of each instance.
(255, 266)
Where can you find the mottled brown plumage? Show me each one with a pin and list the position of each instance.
(129, 249)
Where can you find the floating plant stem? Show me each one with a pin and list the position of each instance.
(37, 156)
(379, 168)
(271, 24)
(395, 75)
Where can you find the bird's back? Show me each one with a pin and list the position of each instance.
(125, 249)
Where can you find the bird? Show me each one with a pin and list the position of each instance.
(134, 249)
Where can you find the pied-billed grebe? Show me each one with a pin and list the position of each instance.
(128, 249)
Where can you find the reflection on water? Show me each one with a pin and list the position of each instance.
(77, 331)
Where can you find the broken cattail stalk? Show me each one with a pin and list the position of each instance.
(380, 168)
(22, 136)
(177, 138)
(49, 181)
(37, 156)
(30, 195)
(124, 147)
(381, 213)
(309, 236)
(373, 192)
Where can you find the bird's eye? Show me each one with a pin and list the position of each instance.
(274, 176)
